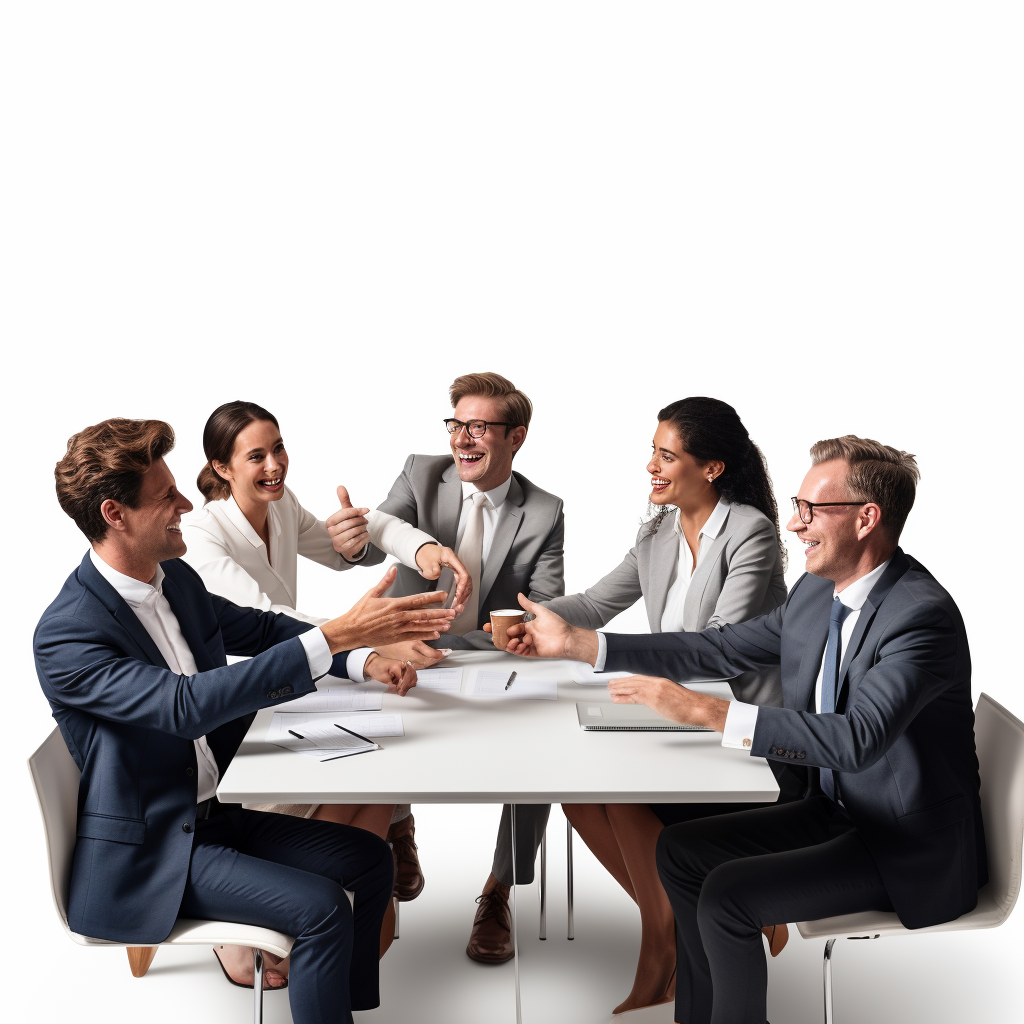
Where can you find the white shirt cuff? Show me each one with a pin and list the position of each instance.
(602, 653)
(740, 720)
(318, 652)
(396, 537)
(354, 666)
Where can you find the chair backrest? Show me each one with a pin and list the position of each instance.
(1000, 740)
(55, 776)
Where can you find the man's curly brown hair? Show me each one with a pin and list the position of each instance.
(108, 460)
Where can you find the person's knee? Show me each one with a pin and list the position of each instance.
(676, 852)
(725, 897)
(326, 908)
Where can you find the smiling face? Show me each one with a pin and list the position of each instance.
(833, 539)
(151, 531)
(258, 464)
(485, 461)
(677, 478)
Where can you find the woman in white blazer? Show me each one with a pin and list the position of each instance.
(712, 555)
(245, 544)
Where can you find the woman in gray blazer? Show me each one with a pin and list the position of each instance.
(712, 555)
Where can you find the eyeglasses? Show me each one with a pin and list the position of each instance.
(475, 428)
(805, 509)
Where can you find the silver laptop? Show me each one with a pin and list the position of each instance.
(628, 718)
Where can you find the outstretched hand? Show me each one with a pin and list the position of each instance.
(375, 620)
(671, 700)
(347, 527)
(432, 558)
(548, 635)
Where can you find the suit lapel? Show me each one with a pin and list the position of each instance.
(120, 610)
(897, 567)
(699, 582)
(183, 613)
(510, 518)
(449, 505)
(814, 652)
(664, 554)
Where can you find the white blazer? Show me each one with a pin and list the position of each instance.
(234, 563)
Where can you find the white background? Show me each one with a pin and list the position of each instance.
(810, 211)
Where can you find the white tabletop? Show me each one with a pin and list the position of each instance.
(461, 749)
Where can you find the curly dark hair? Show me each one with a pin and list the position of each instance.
(711, 431)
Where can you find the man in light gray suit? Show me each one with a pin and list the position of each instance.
(508, 534)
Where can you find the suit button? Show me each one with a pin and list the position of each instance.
(190, 772)
(284, 691)
(801, 755)
(272, 695)
(186, 828)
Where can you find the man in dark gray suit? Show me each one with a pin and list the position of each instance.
(507, 532)
(876, 680)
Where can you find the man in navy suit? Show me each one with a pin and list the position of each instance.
(131, 656)
(876, 678)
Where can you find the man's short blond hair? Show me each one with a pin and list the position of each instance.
(518, 408)
(875, 472)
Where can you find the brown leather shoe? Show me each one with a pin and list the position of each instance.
(490, 942)
(408, 876)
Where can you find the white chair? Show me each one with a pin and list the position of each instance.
(56, 776)
(1000, 741)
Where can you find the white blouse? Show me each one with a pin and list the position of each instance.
(234, 563)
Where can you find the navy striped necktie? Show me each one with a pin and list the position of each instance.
(830, 678)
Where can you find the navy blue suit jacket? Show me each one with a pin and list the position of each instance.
(129, 723)
(902, 740)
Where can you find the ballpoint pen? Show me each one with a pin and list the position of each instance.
(353, 754)
(297, 735)
(357, 736)
(511, 680)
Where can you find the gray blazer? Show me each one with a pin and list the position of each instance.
(526, 550)
(738, 576)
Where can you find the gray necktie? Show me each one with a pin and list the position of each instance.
(830, 678)
(470, 554)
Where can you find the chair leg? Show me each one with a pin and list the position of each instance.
(568, 876)
(398, 908)
(257, 986)
(827, 978)
(139, 959)
(543, 888)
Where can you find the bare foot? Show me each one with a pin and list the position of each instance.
(650, 990)
(238, 965)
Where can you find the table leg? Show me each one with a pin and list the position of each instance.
(515, 937)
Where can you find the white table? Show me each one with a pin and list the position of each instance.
(462, 749)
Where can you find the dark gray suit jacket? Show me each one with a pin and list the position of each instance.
(526, 550)
(739, 576)
(901, 741)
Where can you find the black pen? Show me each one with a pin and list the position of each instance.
(511, 680)
(357, 736)
(297, 735)
(353, 754)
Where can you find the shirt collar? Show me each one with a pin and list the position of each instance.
(715, 521)
(496, 495)
(236, 517)
(134, 591)
(857, 592)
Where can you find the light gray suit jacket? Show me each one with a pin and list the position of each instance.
(526, 550)
(738, 576)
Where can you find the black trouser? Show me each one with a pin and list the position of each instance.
(729, 875)
(290, 874)
(531, 820)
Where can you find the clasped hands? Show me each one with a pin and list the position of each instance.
(548, 635)
(375, 620)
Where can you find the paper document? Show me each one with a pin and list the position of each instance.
(315, 736)
(583, 674)
(492, 684)
(449, 679)
(335, 698)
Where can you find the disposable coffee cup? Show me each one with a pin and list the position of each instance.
(500, 621)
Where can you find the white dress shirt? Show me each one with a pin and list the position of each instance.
(491, 511)
(234, 563)
(159, 621)
(742, 718)
(682, 571)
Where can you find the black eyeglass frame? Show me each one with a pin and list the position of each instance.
(454, 426)
(812, 505)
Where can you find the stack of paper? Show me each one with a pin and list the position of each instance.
(493, 684)
(335, 698)
(327, 736)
